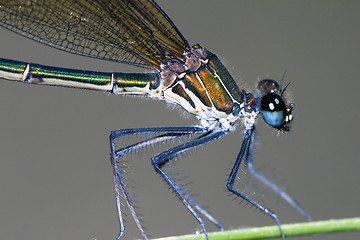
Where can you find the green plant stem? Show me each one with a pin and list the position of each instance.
(290, 230)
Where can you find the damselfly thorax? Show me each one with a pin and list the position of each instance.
(139, 33)
(202, 86)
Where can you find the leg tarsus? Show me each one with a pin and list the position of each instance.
(159, 160)
(177, 191)
(167, 133)
(230, 183)
(250, 167)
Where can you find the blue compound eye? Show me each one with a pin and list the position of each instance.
(273, 109)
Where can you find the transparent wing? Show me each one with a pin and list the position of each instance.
(136, 32)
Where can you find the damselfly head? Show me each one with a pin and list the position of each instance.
(274, 108)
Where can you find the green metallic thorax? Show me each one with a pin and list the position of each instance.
(208, 92)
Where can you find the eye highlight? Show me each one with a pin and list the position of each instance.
(273, 109)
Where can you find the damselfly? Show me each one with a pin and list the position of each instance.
(140, 33)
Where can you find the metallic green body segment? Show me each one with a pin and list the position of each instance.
(70, 77)
(217, 93)
(179, 90)
(118, 83)
(205, 89)
(192, 83)
(46, 75)
(12, 70)
(136, 83)
(132, 80)
(230, 85)
(213, 86)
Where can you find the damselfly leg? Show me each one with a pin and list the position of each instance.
(230, 183)
(166, 133)
(158, 161)
(139, 33)
(250, 167)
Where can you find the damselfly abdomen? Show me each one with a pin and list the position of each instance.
(141, 34)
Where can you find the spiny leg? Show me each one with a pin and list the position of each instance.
(168, 133)
(159, 160)
(249, 165)
(231, 180)
(118, 180)
(161, 138)
(201, 210)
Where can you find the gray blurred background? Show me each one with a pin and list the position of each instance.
(55, 173)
